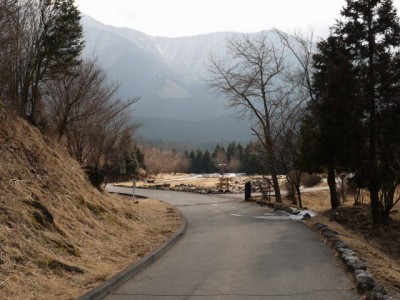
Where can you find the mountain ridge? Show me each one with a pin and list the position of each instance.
(168, 73)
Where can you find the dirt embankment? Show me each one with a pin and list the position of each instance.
(59, 237)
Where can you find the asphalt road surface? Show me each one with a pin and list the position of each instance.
(238, 250)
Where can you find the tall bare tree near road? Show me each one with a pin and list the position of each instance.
(259, 82)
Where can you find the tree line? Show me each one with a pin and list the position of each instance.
(234, 159)
(329, 107)
(45, 79)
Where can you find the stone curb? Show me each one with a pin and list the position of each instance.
(116, 281)
(366, 283)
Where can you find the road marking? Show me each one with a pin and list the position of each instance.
(272, 217)
(265, 217)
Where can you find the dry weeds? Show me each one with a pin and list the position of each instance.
(59, 237)
(377, 245)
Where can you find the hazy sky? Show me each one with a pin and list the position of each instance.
(173, 18)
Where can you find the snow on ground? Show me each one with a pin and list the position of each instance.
(299, 214)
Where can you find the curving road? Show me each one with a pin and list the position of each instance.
(238, 250)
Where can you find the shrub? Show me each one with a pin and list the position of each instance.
(310, 180)
(291, 192)
(96, 176)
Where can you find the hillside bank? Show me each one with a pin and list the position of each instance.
(60, 237)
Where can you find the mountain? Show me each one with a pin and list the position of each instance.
(169, 74)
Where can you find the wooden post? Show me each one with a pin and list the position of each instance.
(247, 190)
(133, 187)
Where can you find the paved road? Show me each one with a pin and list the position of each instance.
(238, 250)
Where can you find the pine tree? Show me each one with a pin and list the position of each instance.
(206, 163)
(47, 40)
(192, 157)
(371, 32)
(331, 128)
(197, 165)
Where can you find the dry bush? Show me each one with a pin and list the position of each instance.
(310, 180)
(291, 192)
(165, 161)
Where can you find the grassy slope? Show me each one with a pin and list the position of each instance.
(58, 235)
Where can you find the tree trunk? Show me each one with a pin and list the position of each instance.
(275, 182)
(299, 196)
(375, 205)
(272, 166)
(373, 174)
(332, 186)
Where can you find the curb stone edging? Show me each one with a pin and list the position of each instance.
(366, 283)
(107, 287)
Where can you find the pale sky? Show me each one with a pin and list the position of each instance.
(174, 18)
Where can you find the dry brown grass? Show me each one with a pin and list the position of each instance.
(175, 180)
(59, 236)
(377, 245)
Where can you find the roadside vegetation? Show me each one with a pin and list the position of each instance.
(59, 236)
(60, 115)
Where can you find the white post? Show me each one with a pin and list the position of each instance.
(133, 187)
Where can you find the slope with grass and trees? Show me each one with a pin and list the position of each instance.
(60, 236)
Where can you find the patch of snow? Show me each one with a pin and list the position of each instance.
(299, 214)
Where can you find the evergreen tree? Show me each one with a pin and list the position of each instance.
(206, 163)
(197, 165)
(251, 159)
(192, 157)
(140, 158)
(371, 32)
(47, 41)
(217, 150)
(62, 42)
(131, 164)
(231, 151)
(331, 134)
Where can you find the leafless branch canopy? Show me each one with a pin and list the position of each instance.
(266, 78)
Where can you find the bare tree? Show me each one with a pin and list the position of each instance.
(81, 94)
(165, 161)
(220, 161)
(301, 47)
(289, 152)
(234, 165)
(87, 114)
(43, 39)
(258, 81)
